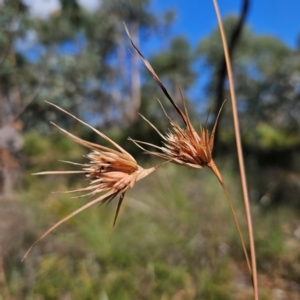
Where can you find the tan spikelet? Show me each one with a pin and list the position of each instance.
(111, 172)
(185, 146)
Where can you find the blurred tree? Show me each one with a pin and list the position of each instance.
(15, 94)
(13, 69)
(79, 60)
(221, 74)
(267, 80)
(175, 64)
(88, 63)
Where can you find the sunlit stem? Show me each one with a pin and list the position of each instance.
(240, 154)
(215, 170)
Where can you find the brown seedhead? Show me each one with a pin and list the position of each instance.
(184, 146)
(111, 172)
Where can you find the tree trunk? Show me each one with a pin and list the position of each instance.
(4, 291)
(135, 77)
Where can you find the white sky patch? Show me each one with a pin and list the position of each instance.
(44, 8)
(90, 5)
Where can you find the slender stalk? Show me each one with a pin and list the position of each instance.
(215, 170)
(240, 153)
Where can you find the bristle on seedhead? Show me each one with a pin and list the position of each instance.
(184, 146)
(111, 172)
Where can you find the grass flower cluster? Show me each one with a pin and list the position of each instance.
(112, 171)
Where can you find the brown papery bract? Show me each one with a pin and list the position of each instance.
(184, 146)
(111, 172)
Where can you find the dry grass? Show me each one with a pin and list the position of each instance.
(111, 173)
(240, 153)
(184, 146)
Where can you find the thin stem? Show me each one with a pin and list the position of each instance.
(240, 153)
(215, 170)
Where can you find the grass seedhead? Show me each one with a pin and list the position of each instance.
(111, 173)
(185, 146)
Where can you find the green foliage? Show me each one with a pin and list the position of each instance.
(266, 73)
(268, 138)
(176, 238)
(35, 144)
(269, 240)
(266, 79)
(170, 241)
(95, 74)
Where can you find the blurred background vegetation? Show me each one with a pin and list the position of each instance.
(175, 238)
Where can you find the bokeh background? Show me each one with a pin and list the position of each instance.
(175, 238)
